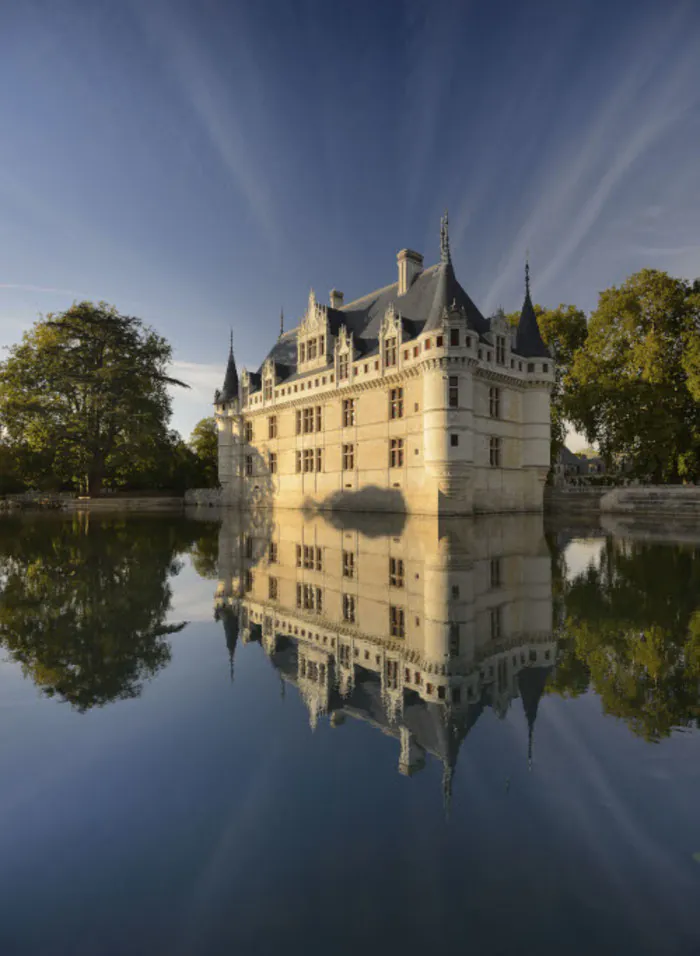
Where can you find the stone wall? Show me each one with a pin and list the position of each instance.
(204, 497)
(682, 504)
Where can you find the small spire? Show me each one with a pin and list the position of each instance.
(527, 275)
(230, 347)
(281, 322)
(444, 240)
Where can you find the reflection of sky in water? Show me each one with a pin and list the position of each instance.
(205, 816)
(580, 553)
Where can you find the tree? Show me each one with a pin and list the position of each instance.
(86, 393)
(634, 386)
(204, 443)
(564, 331)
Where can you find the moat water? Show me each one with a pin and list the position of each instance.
(476, 735)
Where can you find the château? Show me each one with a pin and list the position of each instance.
(406, 399)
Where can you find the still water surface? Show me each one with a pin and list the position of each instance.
(347, 736)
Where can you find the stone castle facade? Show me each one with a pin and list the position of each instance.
(406, 399)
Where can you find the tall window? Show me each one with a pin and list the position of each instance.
(319, 459)
(308, 459)
(319, 418)
(342, 367)
(390, 352)
(348, 457)
(272, 426)
(397, 621)
(248, 432)
(272, 588)
(494, 402)
(248, 582)
(495, 452)
(308, 415)
(392, 675)
(298, 421)
(396, 453)
(273, 463)
(454, 336)
(302, 353)
(348, 564)
(311, 349)
(453, 389)
(495, 623)
(272, 553)
(249, 465)
(267, 390)
(495, 572)
(298, 467)
(349, 608)
(454, 639)
(348, 412)
(396, 403)
(396, 575)
(500, 350)
(321, 345)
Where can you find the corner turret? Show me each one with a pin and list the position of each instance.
(528, 340)
(229, 393)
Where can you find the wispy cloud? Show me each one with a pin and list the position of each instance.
(21, 287)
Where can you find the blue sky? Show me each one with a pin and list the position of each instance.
(203, 164)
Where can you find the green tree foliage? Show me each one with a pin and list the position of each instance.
(204, 443)
(634, 386)
(85, 395)
(84, 604)
(631, 628)
(564, 331)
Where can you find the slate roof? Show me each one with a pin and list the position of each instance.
(421, 309)
(230, 390)
(528, 341)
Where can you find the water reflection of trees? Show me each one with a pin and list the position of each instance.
(631, 630)
(83, 603)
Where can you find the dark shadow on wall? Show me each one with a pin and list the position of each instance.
(374, 512)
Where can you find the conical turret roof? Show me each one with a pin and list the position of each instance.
(229, 392)
(528, 340)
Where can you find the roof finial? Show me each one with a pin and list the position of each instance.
(444, 240)
(527, 272)
(281, 323)
(230, 347)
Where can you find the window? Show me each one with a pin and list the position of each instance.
(319, 459)
(454, 639)
(311, 349)
(344, 654)
(500, 350)
(298, 462)
(454, 336)
(298, 421)
(531, 366)
(272, 588)
(348, 564)
(267, 390)
(272, 553)
(309, 598)
(298, 555)
(308, 417)
(495, 623)
(454, 440)
(439, 342)
(342, 367)
(392, 675)
(248, 547)
(494, 402)
(396, 575)
(396, 453)
(495, 572)
(319, 418)
(396, 403)
(321, 345)
(348, 457)
(249, 465)
(495, 452)
(427, 344)
(545, 367)
(453, 390)
(397, 623)
(308, 460)
(302, 353)
(272, 426)
(390, 352)
(248, 432)
(273, 463)
(348, 412)
(349, 608)
(248, 582)
(415, 351)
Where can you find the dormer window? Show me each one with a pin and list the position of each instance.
(342, 367)
(302, 353)
(267, 390)
(500, 350)
(389, 352)
(311, 350)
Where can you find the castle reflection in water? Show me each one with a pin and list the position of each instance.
(414, 624)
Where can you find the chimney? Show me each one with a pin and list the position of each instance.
(336, 299)
(410, 266)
